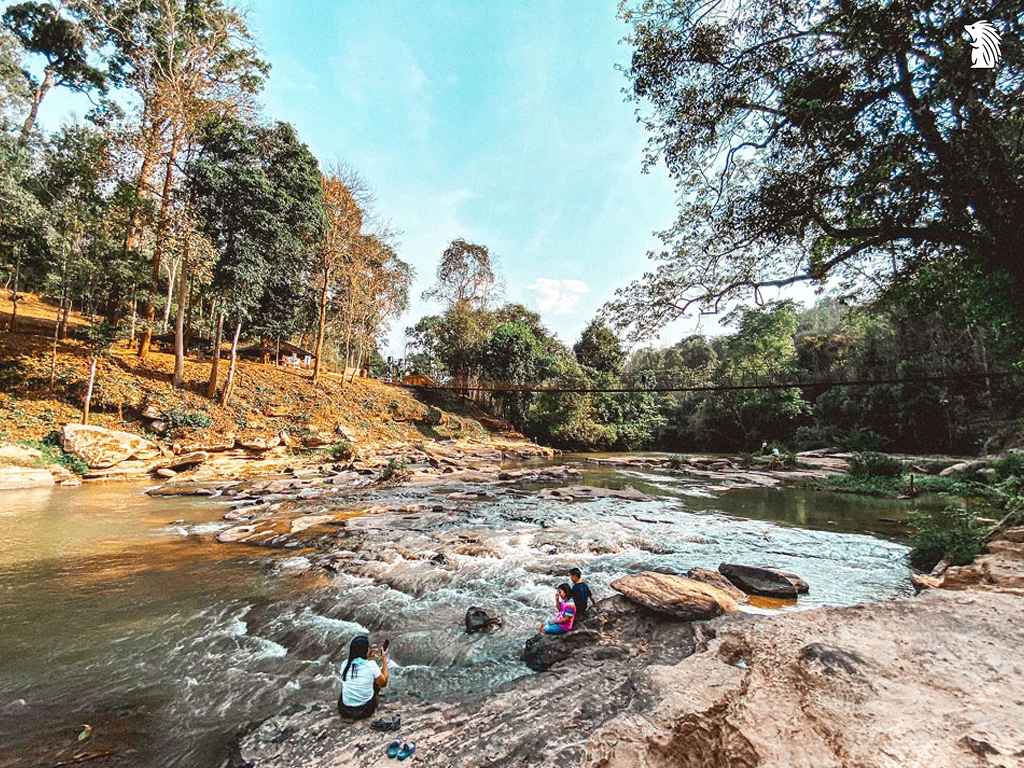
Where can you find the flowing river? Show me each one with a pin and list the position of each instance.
(123, 612)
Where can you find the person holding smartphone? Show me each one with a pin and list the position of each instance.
(362, 679)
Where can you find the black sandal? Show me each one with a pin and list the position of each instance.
(387, 725)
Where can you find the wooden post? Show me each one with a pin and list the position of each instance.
(88, 391)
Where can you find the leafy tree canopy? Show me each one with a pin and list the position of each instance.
(599, 348)
(832, 139)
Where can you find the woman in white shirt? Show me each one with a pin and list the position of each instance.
(361, 680)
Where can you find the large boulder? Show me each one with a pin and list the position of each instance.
(759, 581)
(480, 620)
(12, 478)
(101, 448)
(675, 596)
(718, 581)
(543, 651)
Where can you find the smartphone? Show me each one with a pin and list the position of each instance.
(386, 644)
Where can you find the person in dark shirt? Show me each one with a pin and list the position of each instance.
(581, 594)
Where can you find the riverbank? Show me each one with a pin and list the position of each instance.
(931, 680)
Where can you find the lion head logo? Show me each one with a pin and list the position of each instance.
(984, 44)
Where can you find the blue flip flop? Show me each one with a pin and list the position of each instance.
(406, 750)
(394, 747)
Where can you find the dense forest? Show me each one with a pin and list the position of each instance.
(477, 342)
(176, 209)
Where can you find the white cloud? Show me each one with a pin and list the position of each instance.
(558, 297)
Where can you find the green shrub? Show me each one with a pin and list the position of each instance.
(343, 451)
(183, 417)
(860, 439)
(870, 464)
(1011, 465)
(677, 462)
(54, 454)
(953, 535)
(396, 469)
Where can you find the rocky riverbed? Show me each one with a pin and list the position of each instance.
(925, 681)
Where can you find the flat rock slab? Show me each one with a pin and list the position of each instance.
(759, 581)
(676, 596)
(13, 478)
(101, 448)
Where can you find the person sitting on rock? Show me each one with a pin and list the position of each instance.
(581, 594)
(362, 679)
(561, 623)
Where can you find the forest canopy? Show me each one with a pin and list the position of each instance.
(832, 140)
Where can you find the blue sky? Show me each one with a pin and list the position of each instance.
(503, 123)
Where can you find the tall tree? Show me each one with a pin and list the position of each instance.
(465, 274)
(599, 348)
(185, 60)
(841, 140)
(58, 35)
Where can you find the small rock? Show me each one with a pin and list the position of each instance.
(19, 454)
(166, 472)
(480, 620)
(152, 413)
(12, 478)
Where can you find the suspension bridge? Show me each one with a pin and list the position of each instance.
(745, 380)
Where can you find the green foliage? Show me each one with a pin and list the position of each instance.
(396, 469)
(870, 465)
(821, 144)
(184, 417)
(599, 348)
(54, 454)
(343, 451)
(1010, 466)
(953, 535)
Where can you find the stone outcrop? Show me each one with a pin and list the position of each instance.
(675, 596)
(101, 448)
(912, 683)
(904, 684)
(759, 581)
(14, 478)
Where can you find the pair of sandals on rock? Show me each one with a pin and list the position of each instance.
(396, 748)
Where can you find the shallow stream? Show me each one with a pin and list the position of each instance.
(122, 611)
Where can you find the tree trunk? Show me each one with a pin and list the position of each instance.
(172, 272)
(53, 359)
(321, 327)
(179, 326)
(230, 385)
(88, 391)
(37, 99)
(211, 387)
(15, 298)
(161, 233)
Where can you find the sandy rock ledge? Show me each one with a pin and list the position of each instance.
(927, 681)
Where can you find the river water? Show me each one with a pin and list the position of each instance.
(122, 611)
